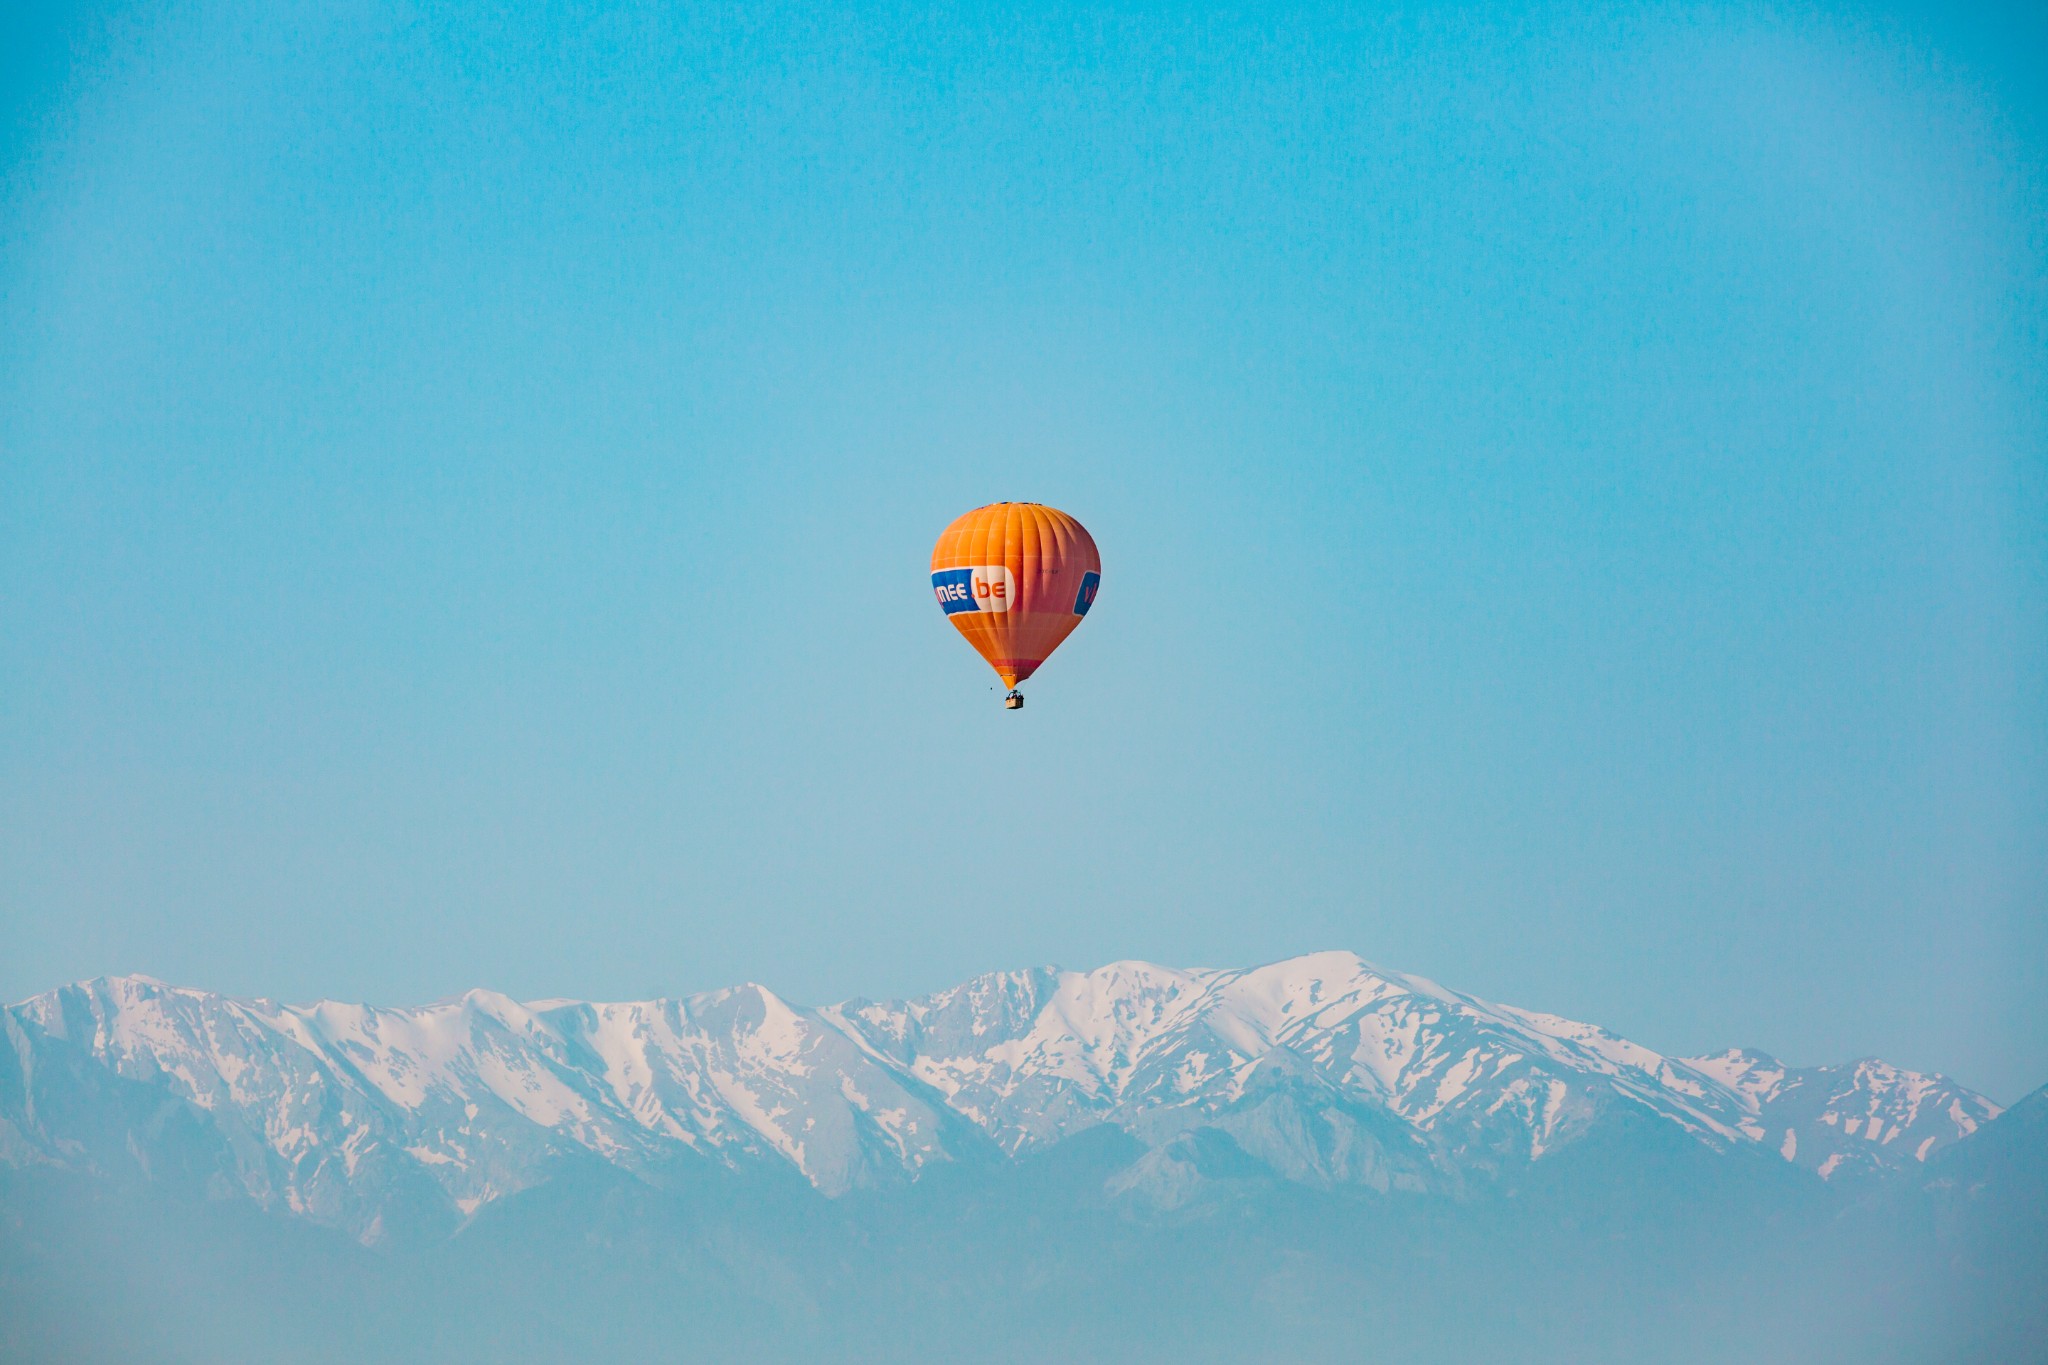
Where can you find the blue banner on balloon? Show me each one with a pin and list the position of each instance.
(955, 589)
(1086, 597)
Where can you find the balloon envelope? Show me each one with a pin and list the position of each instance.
(1015, 578)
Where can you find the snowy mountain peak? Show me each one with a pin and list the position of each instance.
(1862, 1116)
(1320, 1069)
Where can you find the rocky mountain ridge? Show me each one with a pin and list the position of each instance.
(1322, 1070)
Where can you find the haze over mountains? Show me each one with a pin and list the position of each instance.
(1316, 1126)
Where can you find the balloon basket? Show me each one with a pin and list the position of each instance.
(1014, 701)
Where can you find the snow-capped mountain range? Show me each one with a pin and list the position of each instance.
(1324, 1070)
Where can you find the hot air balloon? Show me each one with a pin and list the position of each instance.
(1015, 578)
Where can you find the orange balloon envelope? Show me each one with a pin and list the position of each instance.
(1015, 578)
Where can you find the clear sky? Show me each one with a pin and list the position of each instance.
(1572, 486)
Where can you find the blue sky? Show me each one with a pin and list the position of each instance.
(1571, 487)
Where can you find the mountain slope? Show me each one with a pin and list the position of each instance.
(1321, 1071)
